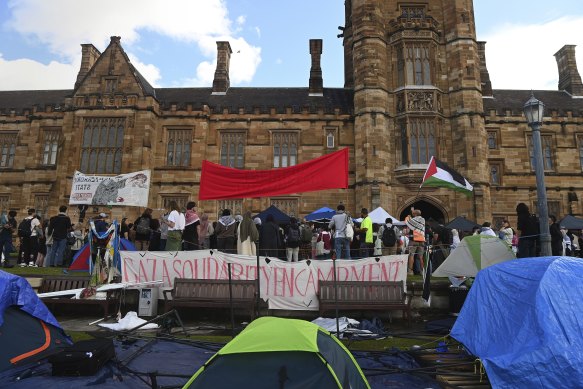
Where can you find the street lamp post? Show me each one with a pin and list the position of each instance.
(534, 112)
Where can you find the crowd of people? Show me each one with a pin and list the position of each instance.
(53, 241)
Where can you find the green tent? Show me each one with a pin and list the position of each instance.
(473, 254)
(281, 353)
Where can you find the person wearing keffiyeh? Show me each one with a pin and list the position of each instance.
(190, 234)
(225, 232)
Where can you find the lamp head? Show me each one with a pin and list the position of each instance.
(534, 110)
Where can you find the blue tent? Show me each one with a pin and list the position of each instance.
(322, 214)
(523, 319)
(278, 216)
(28, 330)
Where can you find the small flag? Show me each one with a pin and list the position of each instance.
(438, 174)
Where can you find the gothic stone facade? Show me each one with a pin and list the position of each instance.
(416, 85)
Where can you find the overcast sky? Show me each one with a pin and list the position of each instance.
(173, 42)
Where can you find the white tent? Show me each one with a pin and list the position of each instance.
(379, 215)
(473, 254)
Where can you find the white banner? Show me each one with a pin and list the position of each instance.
(284, 285)
(125, 189)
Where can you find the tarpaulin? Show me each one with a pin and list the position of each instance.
(326, 172)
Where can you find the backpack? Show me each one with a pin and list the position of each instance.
(389, 237)
(306, 235)
(293, 235)
(143, 227)
(25, 228)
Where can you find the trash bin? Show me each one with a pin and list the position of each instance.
(457, 297)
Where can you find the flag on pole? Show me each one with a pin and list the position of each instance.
(438, 174)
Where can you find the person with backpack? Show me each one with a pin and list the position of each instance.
(24, 234)
(7, 227)
(142, 225)
(226, 232)
(390, 236)
(292, 240)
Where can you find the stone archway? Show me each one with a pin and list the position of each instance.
(430, 210)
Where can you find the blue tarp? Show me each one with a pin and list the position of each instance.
(182, 359)
(15, 290)
(523, 319)
(323, 213)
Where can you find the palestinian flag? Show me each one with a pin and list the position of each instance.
(438, 174)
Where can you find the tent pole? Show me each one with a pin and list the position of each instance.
(231, 300)
(258, 309)
(336, 296)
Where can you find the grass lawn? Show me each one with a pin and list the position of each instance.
(40, 271)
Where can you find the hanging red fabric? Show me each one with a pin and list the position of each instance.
(329, 171)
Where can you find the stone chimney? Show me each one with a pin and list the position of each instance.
(484, 74)
(221, 82)
(89, 55)
(569, 78)
(316, 82)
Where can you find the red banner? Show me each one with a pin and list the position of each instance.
(326, 172)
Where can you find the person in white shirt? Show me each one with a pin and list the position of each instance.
(487, 230)
(175, 222)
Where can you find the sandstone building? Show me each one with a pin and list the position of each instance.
(416, 85)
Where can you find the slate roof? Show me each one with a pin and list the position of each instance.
(248, 98)
(514, 100)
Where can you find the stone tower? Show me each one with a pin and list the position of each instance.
(415, 71)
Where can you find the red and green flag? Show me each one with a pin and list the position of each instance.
(438, 174)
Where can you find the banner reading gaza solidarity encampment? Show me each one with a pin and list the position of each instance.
(124, 189)
(285, 285)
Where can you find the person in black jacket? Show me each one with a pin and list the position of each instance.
(556, 236)
(59, 227)
(529, 231)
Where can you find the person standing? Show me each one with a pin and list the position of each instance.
(143, 227)
(154, 244)
(389, 235)
(7, 227)
(124, 229)
(507, 233)
(270, 237)
(175, 222)
(24, 234)
(192, 221)
(205, 230)
(487, 229)
(366, 235)
(527, 224)
(556, 236)
(163, 231)
(416, 224)
(247, 235)
(59, 227)
(339, 223)
(292, 240)
(225, 232)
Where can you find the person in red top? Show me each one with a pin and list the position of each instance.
(326, 246)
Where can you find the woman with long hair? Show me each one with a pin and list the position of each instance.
(205, 230)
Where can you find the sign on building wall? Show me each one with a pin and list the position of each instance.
(125, 189)
(284, 285)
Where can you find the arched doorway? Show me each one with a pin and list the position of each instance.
(429, 211)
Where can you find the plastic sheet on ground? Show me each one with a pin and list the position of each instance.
(129, 322)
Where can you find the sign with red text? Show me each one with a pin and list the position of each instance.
(284, 285)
